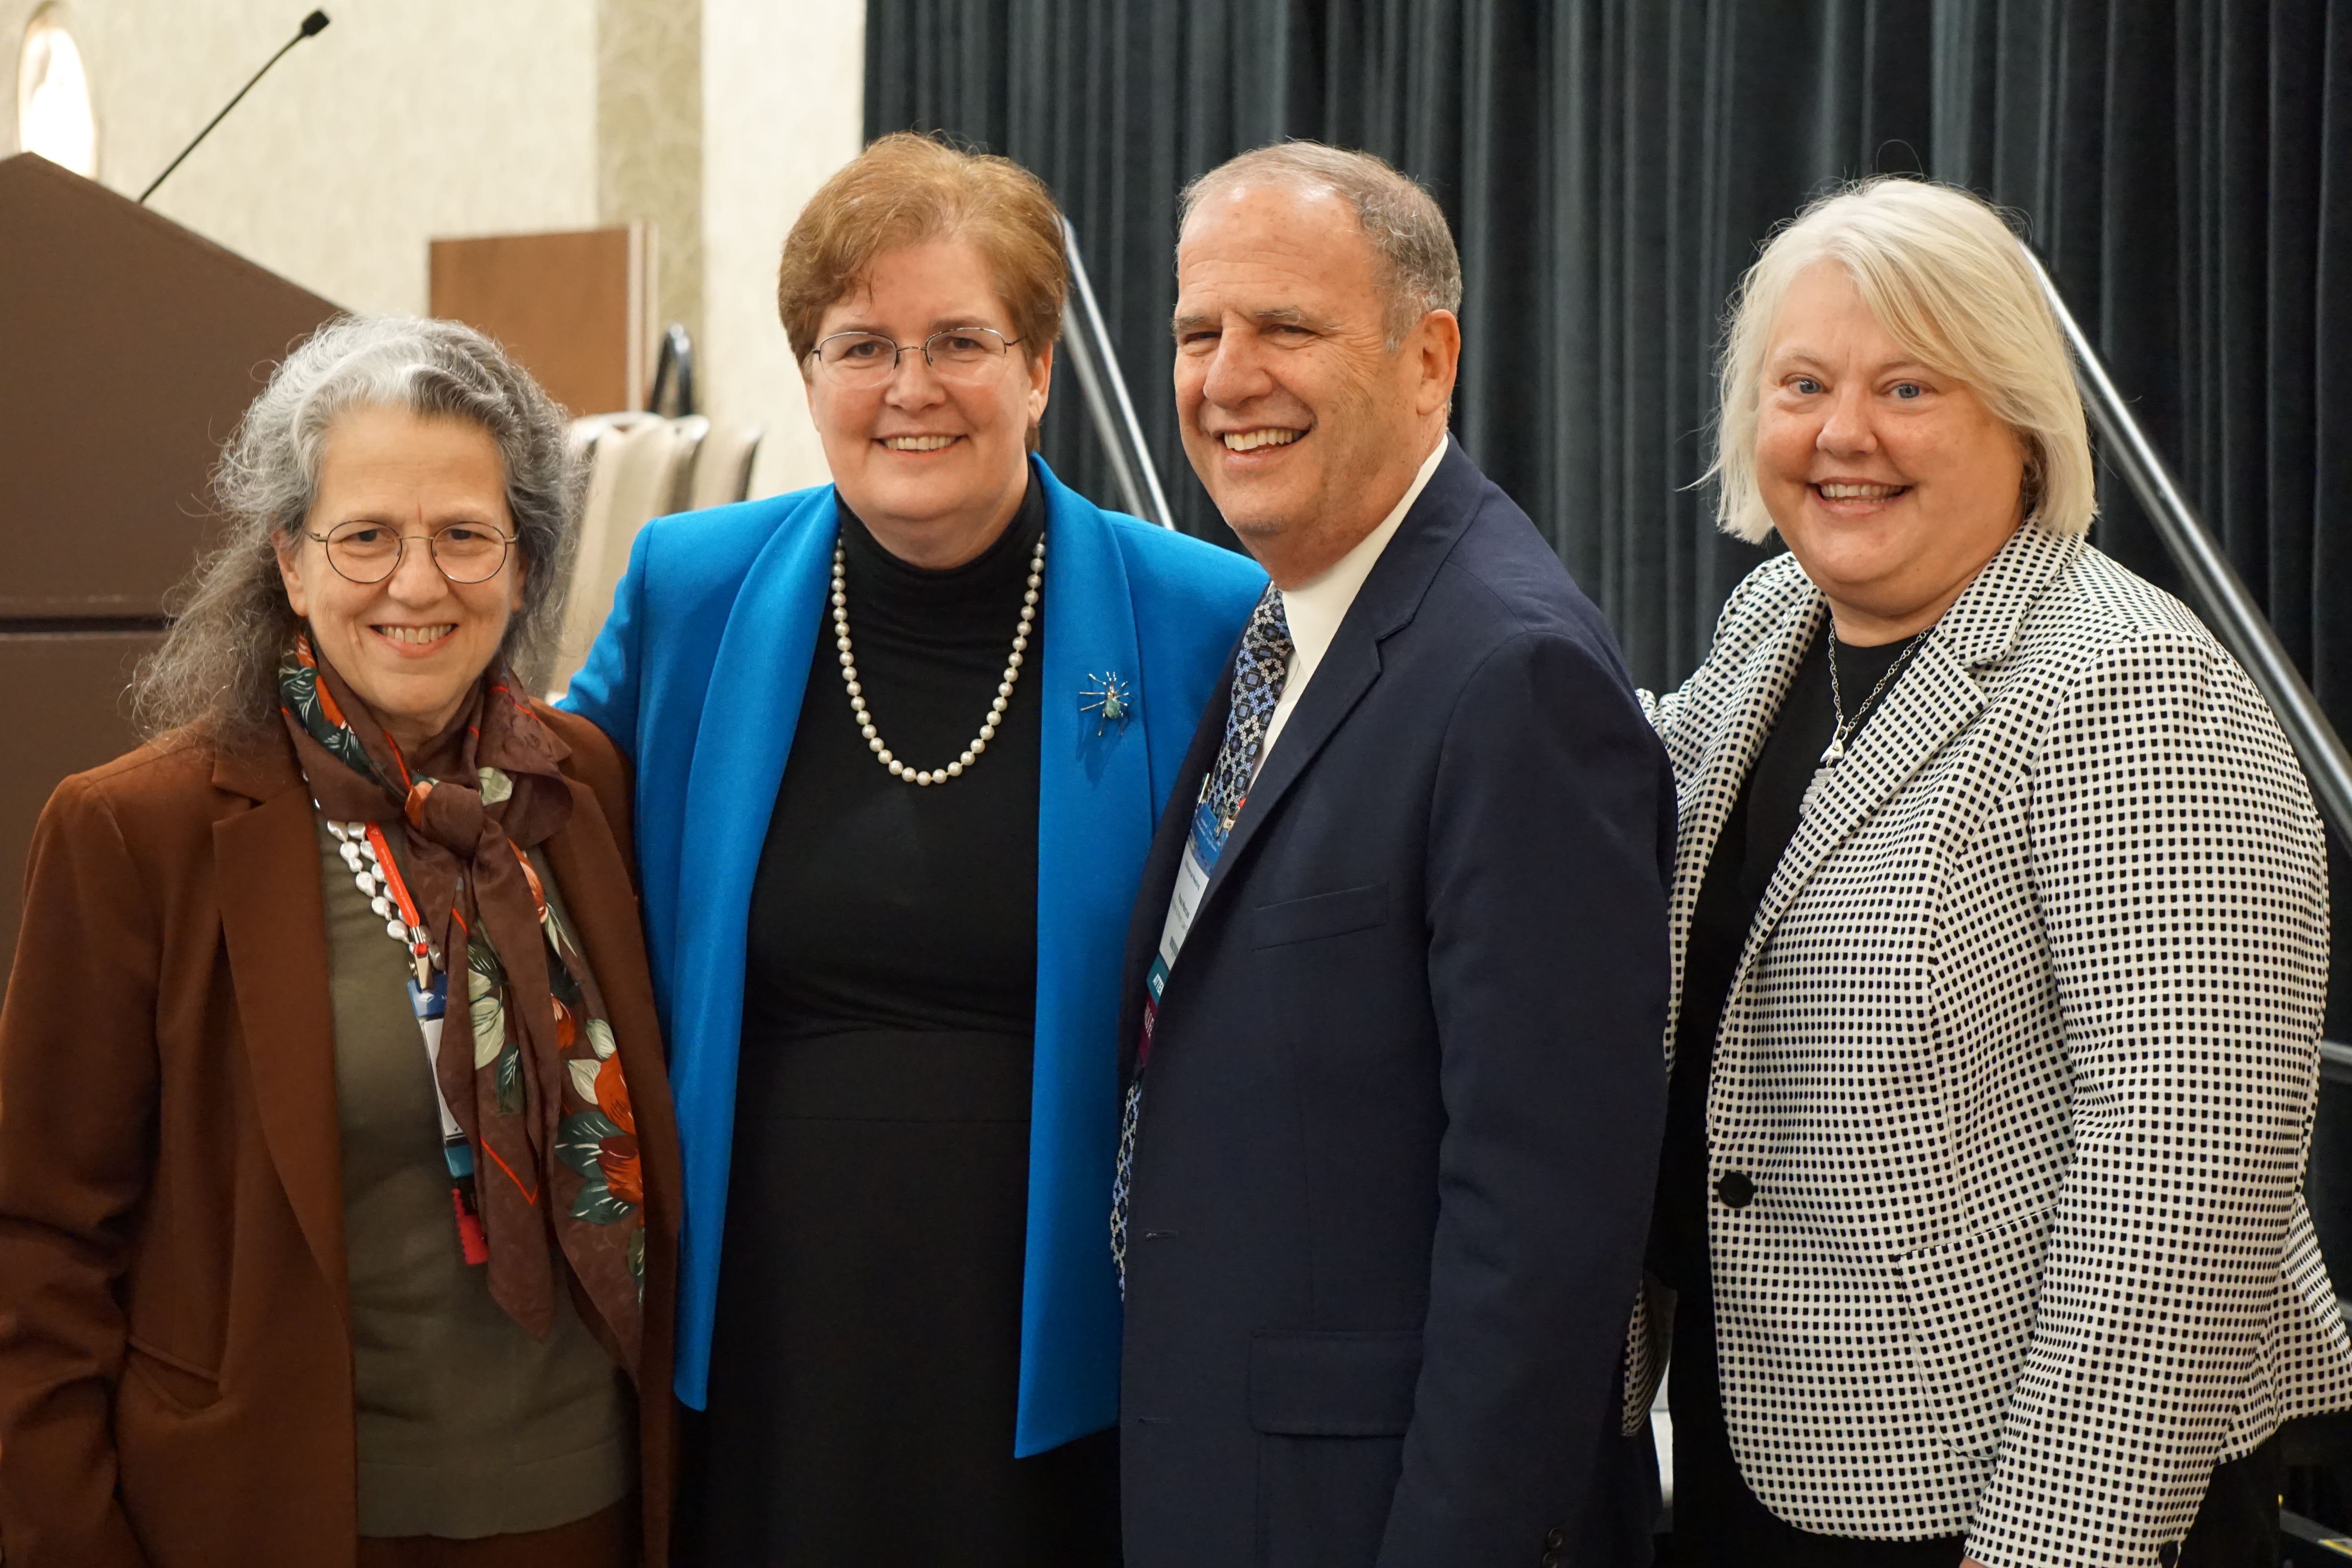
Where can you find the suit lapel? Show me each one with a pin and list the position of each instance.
(1758, 689)
(1093, 830)
(1347, 672)
(760, 680)
(1383, 606)
(1934, 701)
(274, 925)
(1935, 698)
(1094, 788)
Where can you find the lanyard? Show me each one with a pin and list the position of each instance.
(428, 998)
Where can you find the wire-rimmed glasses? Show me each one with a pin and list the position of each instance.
(967, 354)
(370, 552)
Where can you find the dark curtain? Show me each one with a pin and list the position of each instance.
(1610, 166)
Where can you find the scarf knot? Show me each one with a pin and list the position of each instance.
(452, 817)
(540, 1095)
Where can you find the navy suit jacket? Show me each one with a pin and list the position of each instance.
(1401, 1124)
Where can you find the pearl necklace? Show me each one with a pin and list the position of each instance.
(874, 742)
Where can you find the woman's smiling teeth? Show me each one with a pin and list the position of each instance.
(1251, 440)
(418, 635)
(918, 443)
(1860, 492)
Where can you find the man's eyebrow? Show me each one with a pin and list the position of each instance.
(1271, 316)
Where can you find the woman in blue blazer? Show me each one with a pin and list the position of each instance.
(900, 743)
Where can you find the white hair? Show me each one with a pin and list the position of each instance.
(1951, 283)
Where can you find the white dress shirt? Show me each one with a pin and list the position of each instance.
(1315, 607)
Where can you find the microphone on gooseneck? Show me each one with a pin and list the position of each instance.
(312, 26)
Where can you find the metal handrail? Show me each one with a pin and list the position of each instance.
(1097, 362)
(2236, 619)
(674, 369)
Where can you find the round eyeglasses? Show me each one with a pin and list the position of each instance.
(965, 354)
(370, 551)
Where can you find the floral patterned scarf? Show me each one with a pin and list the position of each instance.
(541, 1096)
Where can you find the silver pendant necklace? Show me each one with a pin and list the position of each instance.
(874, 742)
(1835, 752)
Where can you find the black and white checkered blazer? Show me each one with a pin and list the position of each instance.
(2020, 1059)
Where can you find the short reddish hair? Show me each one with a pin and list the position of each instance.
(908, 188)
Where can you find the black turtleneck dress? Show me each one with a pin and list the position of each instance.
(866, 1362)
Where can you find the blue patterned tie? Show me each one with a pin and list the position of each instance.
(1258, 672)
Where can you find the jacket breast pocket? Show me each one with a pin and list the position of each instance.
(1330, 1411)
(1323, 915)
(1972, 1321)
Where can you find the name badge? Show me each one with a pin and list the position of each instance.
(431, 1005)
(1201, 848)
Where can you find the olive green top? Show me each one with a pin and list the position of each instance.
(467, 1426)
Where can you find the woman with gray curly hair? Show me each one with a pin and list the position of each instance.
(281, 1280)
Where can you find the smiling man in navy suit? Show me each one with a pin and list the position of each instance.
(1397, 981)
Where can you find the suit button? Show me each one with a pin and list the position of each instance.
(1736, 1190)
(1555, 1559)
(1557, 1538)
(2168, 1554)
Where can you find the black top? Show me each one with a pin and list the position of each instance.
(865, 1368)
(1754, 836)
(882, 903)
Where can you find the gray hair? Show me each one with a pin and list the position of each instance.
(1951, 283)
(1413, 249)
(216, 672)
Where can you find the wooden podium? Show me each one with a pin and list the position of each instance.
(131, 348)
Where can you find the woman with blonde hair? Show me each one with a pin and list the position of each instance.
(900, 743)
(2000, 926)
(338, 1187)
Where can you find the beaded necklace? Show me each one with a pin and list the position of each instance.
(874, 742)
(368, 854)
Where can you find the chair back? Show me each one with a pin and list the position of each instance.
(722, 469)
(632, 478)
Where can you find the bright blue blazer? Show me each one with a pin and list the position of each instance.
(739, 589)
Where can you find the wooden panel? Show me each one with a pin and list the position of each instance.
(131, 347)
(570, 307)
(62, 707)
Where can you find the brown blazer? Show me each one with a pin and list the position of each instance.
(175, 1363)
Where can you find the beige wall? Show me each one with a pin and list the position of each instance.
(649, 140)
(782, 107)
(405, 120)
(408, 119)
